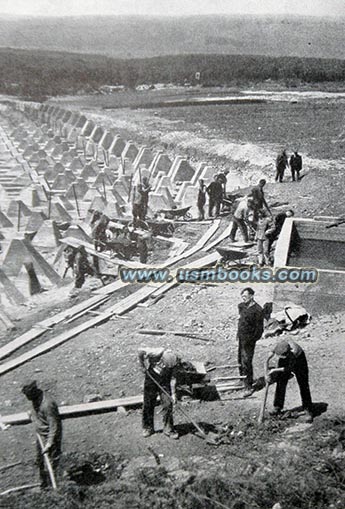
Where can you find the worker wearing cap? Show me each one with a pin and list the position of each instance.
(291, 359)
(159, 366)
(47, 421)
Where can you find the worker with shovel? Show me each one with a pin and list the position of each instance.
(159, 366)
(291, 360)
(48, 427)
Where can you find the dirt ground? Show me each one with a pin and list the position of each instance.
(103, 360)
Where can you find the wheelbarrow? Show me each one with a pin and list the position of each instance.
(177, 213)
(231, 256)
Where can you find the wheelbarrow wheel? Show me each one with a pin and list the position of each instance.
(171, 229)
(187, 216)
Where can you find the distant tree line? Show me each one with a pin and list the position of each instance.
(38, 74)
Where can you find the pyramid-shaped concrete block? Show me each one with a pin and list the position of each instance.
(60, 182)
(120, 199)
(200, 168)
(165, 191)
(82, 120)
(47, 236)
(33, 196)
(161, 163)
(183, 172)
(87, 128)
(66, 158)
(145, 157)
(59, 213)
(70, 176)
(98, 203)
(208, 174)
(28, 152)
(76, 164)
(102, 179)
(97, 134)
(65, 203)
(78, 232)
(89, 172)
(17, 206)
(117, 147)
(43, 166)
(182, 190)
(21, 251)
(77, 189)
(50, 174)
(165, 181)
(174, 165)
(49, 146)
(106, 140)
(91, 194)
(4, 221)
(8, 289)
(35, 222)
(158, 202)
(110, 174)
(130, 151)
(57, 151)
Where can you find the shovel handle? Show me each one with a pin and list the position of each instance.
(47, 462)
(261, 417)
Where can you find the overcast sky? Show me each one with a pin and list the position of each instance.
(172, 7)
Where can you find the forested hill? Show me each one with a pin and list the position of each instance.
(38, 73)
(131, 37)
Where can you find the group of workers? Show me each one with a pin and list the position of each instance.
(283, 163)
(161, 366)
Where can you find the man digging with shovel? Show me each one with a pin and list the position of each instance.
(48, 427)
(291, 359)
(159, 366)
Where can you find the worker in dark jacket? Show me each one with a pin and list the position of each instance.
(281, 164)
(47, 421)
(295, 165)
(291, 359)
(250, 329)
(159, 366)
(215, 194)
(201, 199)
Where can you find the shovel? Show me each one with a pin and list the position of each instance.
(208, 440)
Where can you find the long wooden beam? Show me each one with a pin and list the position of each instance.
(118, 309)
(81, 410)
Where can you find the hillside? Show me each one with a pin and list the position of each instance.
(130, 37)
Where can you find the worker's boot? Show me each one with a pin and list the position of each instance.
(171, 433)
(275, 412)
(309, 416)
(147, 432)
(248, 392)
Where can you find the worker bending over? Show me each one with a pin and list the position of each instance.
(291, 359)
(159, 366)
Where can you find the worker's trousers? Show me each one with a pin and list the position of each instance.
(295, 173)
(239, 223)
(301, 372)
(246, 348)
(280, 174)
(54, 456)
(151, 390)
(214, 203)
(263, 251)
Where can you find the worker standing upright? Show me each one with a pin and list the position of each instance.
(201, 199)
(159, 366)
(281, 165)
(48, 426)
(250, 329)
(295, 165)
(215, 196)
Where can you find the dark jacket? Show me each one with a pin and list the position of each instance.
(251, 322)
(215, 190)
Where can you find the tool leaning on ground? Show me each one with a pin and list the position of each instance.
(261, 417)
(204, 436)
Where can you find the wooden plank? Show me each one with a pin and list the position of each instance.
(81, 410)
(6, 320)
(121, 307)
(223, 236)
(41, 327)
